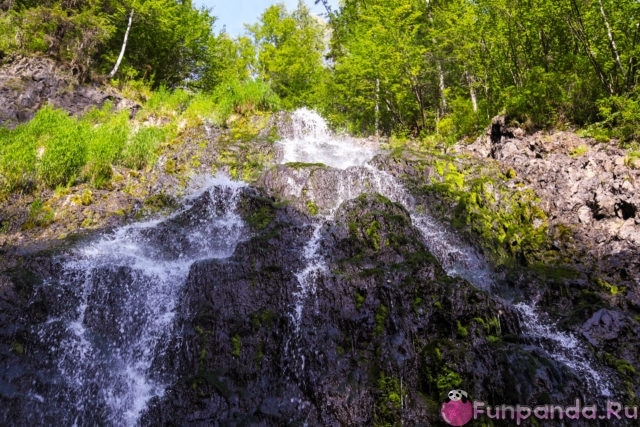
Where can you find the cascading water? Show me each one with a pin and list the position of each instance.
(312, 142)
(126, 285)
(565, 347)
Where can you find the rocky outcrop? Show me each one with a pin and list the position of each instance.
(28, 83)
(380, 338)
(589, 190)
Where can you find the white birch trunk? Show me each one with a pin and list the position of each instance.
(124, 46)
(472, 92)
(612, 41)
(443, 87)
(377, 108)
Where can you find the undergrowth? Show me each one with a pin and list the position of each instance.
(55, 149)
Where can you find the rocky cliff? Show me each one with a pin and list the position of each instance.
(27, 84)
(333, 309)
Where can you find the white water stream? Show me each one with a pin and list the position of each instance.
(312, 142)
(124, 286)
(127, 284)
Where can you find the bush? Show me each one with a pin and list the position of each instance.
(620, 117)
(105, 147)
(60, 145)
(245, 97)
(536, 103)
(141, 149)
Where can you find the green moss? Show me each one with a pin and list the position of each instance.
(303, 165)
(624, 367)
(613, 290)
(461, 331)
(381, 318)
(40, 215)
(372, 234)
(170, 166)
(86, 198)
(263, 319)
(312, 207)
(236, 346)
(359, 299)
(388, 404)
(17, 348)
(507, 222)
(447, 380)
(261, 217)
(87, 222)
(160, 202)
(579, 150)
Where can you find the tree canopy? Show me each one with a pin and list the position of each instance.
(411, 67)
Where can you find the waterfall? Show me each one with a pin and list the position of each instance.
(116, 296)
(563, 346)
(310, 141)
(126, 284)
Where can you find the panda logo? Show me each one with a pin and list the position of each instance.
(457, 409)
(455, 395)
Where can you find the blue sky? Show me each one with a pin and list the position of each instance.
(234, 13)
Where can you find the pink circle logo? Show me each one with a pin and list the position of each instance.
(457, 409)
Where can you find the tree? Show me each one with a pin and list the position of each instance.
(381, 63)
(124, 46)
(168, 42)
(290, 48)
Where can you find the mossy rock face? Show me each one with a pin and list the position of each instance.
(504, 219)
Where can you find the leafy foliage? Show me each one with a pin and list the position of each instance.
(290, 47)
(247, 97)
(409, 65)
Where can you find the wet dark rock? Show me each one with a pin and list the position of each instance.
(382, 322)
(604, 325)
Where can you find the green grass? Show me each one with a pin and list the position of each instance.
(60, 144)
(244, 98)
(55, 150)
(17, 160)
(141, 150)
(165, 104)
(105, 147)
(202, 109)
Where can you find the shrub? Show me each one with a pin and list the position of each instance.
(245, 97)
(105, 146)
(535, 104)
(140, 151)
(17, 160)
(620, 117)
